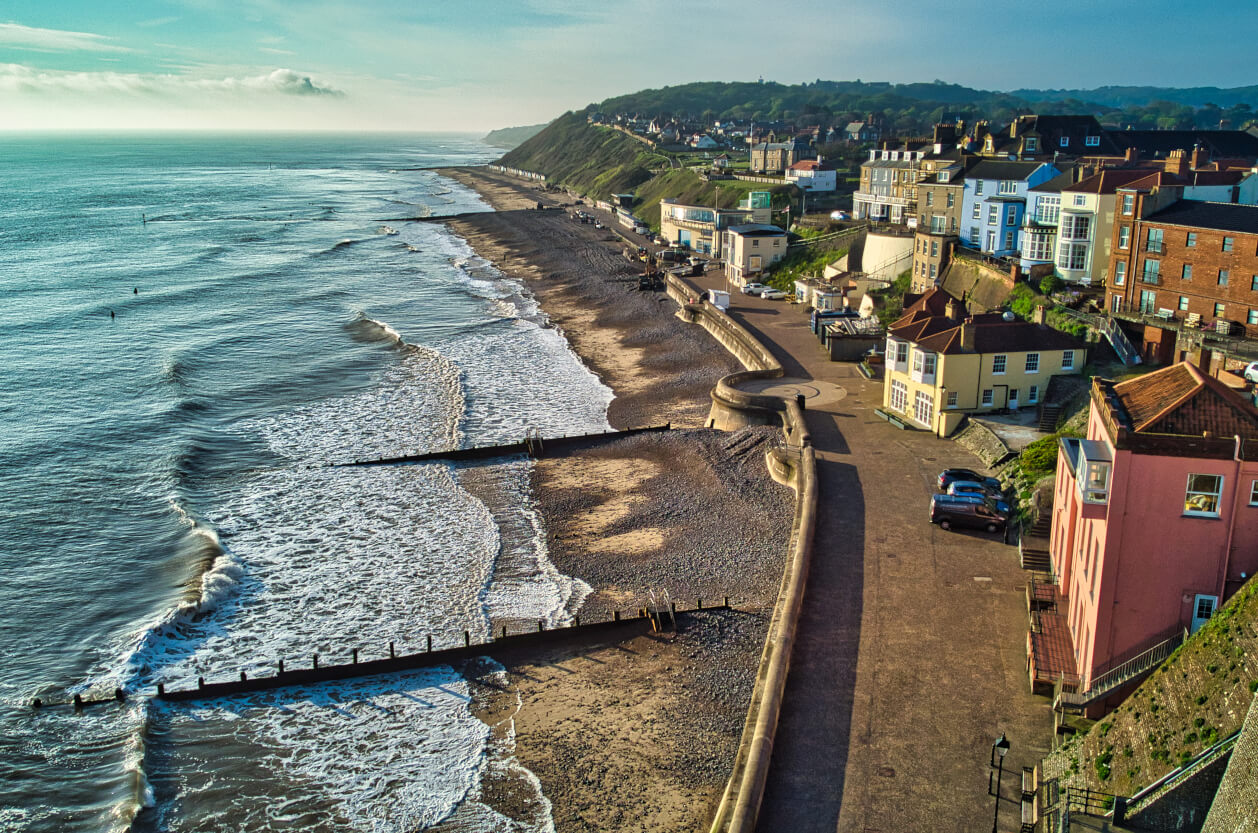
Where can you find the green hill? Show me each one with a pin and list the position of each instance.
(1200, 695)
(591, 160)
(510, 137)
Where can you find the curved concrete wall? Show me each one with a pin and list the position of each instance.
(795, 466)
(886, 255)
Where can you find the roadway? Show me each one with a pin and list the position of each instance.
(910, 657)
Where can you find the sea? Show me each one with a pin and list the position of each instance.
(192, 328)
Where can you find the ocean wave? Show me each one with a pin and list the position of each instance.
(363, 328)
(339, 247)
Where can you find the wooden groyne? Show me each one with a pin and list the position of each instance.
(533, 446)
(312, 671)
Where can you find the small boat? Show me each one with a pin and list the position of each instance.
(388, 230)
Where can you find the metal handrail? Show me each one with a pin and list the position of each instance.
(1118, 675)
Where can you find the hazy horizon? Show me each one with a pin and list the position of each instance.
(198, 65)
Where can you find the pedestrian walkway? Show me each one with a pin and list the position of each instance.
(910, 657)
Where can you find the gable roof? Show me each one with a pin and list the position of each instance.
(1180, 399)
(810, 165)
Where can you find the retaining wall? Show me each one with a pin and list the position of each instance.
(794, 465)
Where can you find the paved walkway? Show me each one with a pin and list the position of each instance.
(911, 652)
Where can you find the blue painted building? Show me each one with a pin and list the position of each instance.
(994, 202)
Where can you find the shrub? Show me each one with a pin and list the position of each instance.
(1050, 283)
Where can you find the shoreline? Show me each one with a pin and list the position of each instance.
(640, 734)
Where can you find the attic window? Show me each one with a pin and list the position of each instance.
(944, 176)
(1092, 141)
(1065, 141)
(1032, 144)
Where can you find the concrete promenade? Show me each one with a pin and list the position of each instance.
(910, 658)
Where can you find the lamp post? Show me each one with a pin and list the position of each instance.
(999, 748)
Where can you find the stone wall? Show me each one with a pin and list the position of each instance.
(1235, 808)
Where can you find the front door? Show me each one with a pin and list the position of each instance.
(1202, 609)
(1013, 398)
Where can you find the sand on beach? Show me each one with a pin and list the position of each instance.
(639, 734)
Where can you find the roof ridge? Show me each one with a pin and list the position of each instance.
(1181, 401)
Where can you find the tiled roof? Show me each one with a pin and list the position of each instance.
(810, 165)
(926, 324)
(1180, 399)
(1108, 180)
(1222, 216)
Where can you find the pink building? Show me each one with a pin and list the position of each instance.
(1155, 523)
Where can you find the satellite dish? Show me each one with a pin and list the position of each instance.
(1008, 315)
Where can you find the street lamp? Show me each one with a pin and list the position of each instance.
(999, 749)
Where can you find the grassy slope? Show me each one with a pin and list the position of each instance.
(1199, 695)
(597, 161)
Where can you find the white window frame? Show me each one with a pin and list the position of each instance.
(978, 186)
(1124, 237)
(1120, 273)
(1033, 394)
(1032, 363)
(993, 214)
(952, 403)
(1183, 303)
(899, 396)
(1067, 359)
(924, 408)
(977, 213)
(1011, 214)
(1253, 493)
(999, 362)
(987, 399)
(1199, 492)
(1007, 186)
(1065, 141)
(1129, 203)
(1092, 141)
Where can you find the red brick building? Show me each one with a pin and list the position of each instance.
(1183, 264)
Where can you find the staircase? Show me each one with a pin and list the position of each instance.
(1033, 543)
(1126, 351)
(1117, 677)
(1049, 415)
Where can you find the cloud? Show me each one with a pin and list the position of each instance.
(24, 80)
(16, 36)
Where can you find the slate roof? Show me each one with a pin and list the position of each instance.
(1180, 399)
(1159, 143)
(1222, 216)
(997, 169)
(926, 324)
(757, 230)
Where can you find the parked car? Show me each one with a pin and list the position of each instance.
(964, 511)
(772, 294)
(754, 288)
(999, 504)
(1251, 372)
(949, 476)
(970, 487)
(598, 225)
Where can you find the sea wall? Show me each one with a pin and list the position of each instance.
(794, 465)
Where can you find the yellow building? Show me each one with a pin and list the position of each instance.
(943, 363)
(750, 249)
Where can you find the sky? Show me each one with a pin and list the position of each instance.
(474, 65)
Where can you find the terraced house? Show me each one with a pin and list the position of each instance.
(1155, 523)
(942, 363)
(1183, 264)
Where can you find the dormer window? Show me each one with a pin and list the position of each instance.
(1065, 141)
(943, 176)
(1032, 144)
(1092, 141)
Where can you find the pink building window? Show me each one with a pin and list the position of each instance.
(1202, 495)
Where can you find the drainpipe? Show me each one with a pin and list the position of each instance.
(1231, 526)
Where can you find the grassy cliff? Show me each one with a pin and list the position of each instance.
(1199, 696)
(597, 161)
(510, 137)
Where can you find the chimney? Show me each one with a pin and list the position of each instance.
(967, 334)
(953, 310)
(1040, 313)
(1131, 156)
(1013, 127)
(1197, 160)
(1176, 163)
